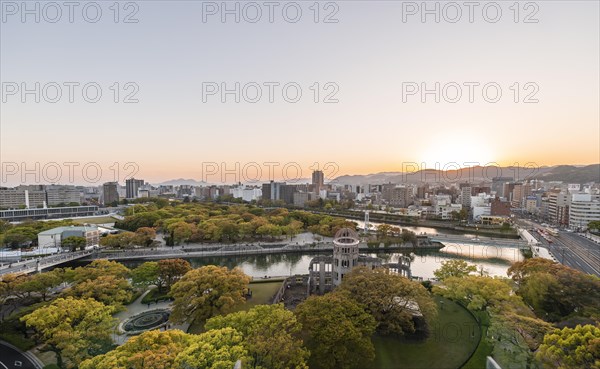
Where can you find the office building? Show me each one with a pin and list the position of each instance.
(584, 208)
(318, 180)
(498, 185)
(558, 207)
(23, 197)
(110, 193)
(65, 195)
(397, 195)
(132, 186)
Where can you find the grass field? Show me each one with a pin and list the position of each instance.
(454, 335)
(95, 220)
(261, 295)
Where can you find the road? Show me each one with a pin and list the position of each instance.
(576, 252)
(11, 358)
(571, 249)
(31, 265)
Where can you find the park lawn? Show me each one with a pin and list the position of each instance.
(485, 348)
(454, 335)
(262, 294)
(95, 220)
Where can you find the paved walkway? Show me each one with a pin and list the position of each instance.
(137, 307)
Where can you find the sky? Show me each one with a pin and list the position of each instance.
(367, 73)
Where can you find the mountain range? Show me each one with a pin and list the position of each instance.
(564, 173)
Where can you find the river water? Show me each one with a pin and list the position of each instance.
(494, 261)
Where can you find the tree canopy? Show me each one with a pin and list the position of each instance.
(390, 298)
(270, 334)
(74, 329)
(337, 331)
(555, 291)
(208, 291)
(571, 348)
(454, 268)
(215, 349)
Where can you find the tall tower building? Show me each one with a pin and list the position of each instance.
(131, 187)
(345, 254)
(110, 192)
(318, 180)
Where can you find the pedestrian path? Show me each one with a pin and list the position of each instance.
(137, 307)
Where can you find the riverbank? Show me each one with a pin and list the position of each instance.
(447, 225)
(251, 249)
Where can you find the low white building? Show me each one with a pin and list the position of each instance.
(246, 193)
(479, 211)
(53, 238)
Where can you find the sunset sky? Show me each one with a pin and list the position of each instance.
(366, 56)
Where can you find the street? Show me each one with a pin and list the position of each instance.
(570, 249)
(12, 358)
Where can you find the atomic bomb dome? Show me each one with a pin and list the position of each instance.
(345, 253)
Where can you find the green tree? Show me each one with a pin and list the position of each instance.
(74, 243)
(43, 283)
(11, 288)
(390, 298)
(108, 289)
(73, 329)
(144, 236)
(594, 225)
(98, 268)
(270, 335)
(181, 231)
(454, 268)
(478, 293)
(555, 291)
(571, 348)
(170, 271)
(208, 291)
(146, 274)
(215, 349)
(337, 331)
(19, 237)
(121, 240)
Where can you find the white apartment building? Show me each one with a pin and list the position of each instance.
(583, 209)
(246, 193)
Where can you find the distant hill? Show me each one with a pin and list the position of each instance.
(572, 174)
(565, 173)
(182, 181)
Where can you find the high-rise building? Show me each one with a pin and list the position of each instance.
(397, 195)
(110, 193)
(318, 180)
(558, 207)
(498, 185)
(67, 195)
(465, 196)
(131, 187)
(271, 190)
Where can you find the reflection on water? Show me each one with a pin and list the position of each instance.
(493, 260)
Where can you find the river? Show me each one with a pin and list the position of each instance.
(495, 261)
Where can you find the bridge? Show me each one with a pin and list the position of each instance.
(483, 241)
(38, 264)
